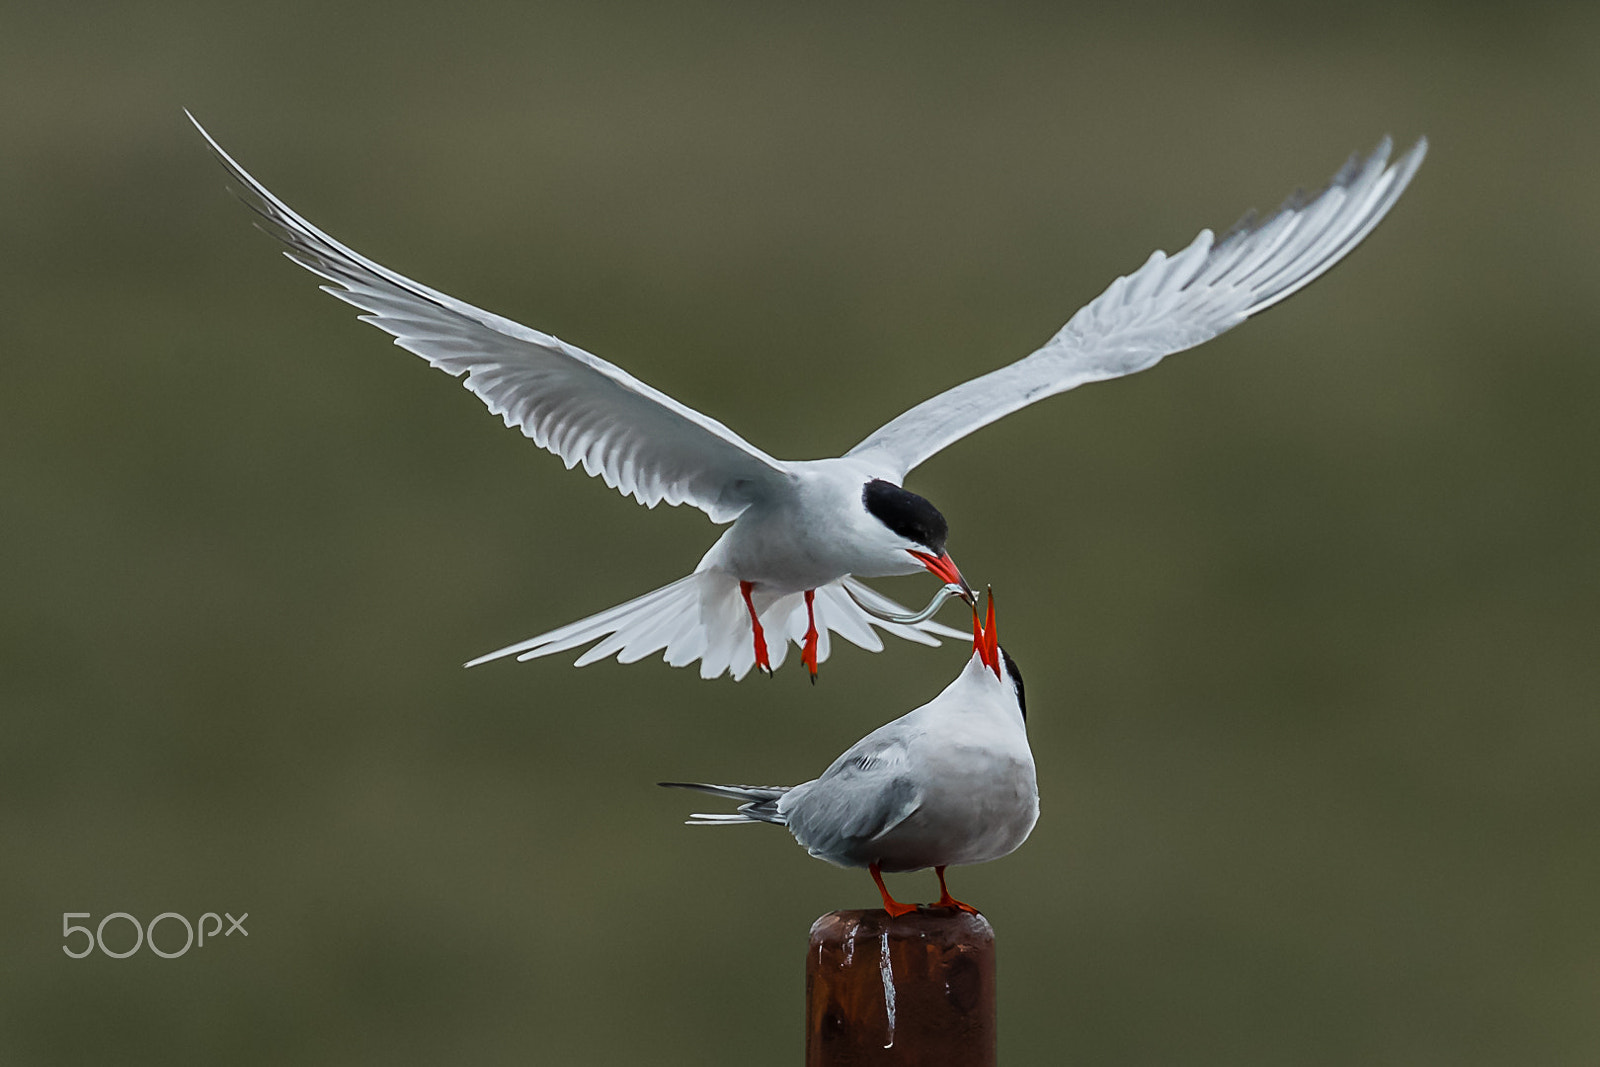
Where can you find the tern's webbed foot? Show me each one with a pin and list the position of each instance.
(808, 652)
(890, 905)
(946, 900)
(762, 660)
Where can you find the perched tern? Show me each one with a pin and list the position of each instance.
(947, 784)
(804, 533)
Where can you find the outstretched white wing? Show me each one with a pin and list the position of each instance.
(585, 410)
(1167, 305)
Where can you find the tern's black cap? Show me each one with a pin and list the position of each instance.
(907, 514)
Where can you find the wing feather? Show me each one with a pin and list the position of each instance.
(580, 407)
(866, 793)
(1169, 304)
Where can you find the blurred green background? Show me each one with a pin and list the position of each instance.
(1308, 615)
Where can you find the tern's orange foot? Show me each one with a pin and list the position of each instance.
(808, 652)
(762, 661)
(890, 905)
(946, 900)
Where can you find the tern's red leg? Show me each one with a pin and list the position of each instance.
(890, 905)
(755, 625)
(946, 900)
(808, 654)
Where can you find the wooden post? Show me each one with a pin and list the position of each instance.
(919, 989)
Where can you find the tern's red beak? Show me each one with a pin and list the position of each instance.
(945, 569)
(986, 637)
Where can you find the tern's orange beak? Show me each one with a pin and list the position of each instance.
(986, 637)
(945, 569)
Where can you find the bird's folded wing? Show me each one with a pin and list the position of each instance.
(578, 406)
(1169, 304)
(867, 792)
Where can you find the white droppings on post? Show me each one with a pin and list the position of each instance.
(887, 974)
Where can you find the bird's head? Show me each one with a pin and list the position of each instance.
(918, 529)
(986, 649)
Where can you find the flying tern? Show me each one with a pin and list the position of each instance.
(804, 533)
(947, 784)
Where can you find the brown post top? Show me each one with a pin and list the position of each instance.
(919, 989)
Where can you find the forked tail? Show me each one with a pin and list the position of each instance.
(759, 803)
(703, 618)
